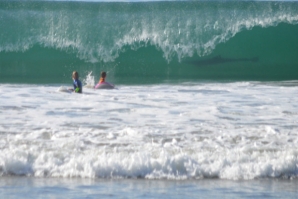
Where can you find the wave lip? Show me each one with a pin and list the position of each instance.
(94, 33)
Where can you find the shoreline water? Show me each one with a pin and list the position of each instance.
(213, 131)
(239, 130)
(27, 187)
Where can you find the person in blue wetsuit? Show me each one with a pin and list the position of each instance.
(77, 84)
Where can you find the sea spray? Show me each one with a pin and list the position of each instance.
(89, 81)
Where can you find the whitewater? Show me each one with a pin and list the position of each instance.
(213, 139)
(243, 130)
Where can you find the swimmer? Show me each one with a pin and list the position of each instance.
(102, 77)
(102, 84)
(77, 85)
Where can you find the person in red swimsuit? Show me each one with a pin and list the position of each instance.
(102, 77)
(102, 84)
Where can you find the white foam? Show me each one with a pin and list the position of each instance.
(229, 131)
(89, 81)
(63, 89)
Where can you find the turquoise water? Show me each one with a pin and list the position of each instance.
(148, 42)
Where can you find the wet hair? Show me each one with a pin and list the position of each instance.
(75, 75)
(103, 74)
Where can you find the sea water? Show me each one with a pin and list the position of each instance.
(242, 133)
(205, 102)
(132, 188)
(148, 42)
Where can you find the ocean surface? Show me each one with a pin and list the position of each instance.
(233, 133)
(148, 42)
(205, 103)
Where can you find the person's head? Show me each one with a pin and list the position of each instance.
(103, 74)
(75, 75)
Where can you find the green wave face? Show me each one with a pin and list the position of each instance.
(136, 43)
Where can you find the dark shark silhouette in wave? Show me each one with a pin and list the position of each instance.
(220, 60)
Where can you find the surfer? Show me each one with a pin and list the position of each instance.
(102, 77)
(77, 84)
(102, 84)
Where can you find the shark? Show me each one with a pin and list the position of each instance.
(220, 60)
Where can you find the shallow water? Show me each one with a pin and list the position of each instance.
(244, 130)
(24, 187)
